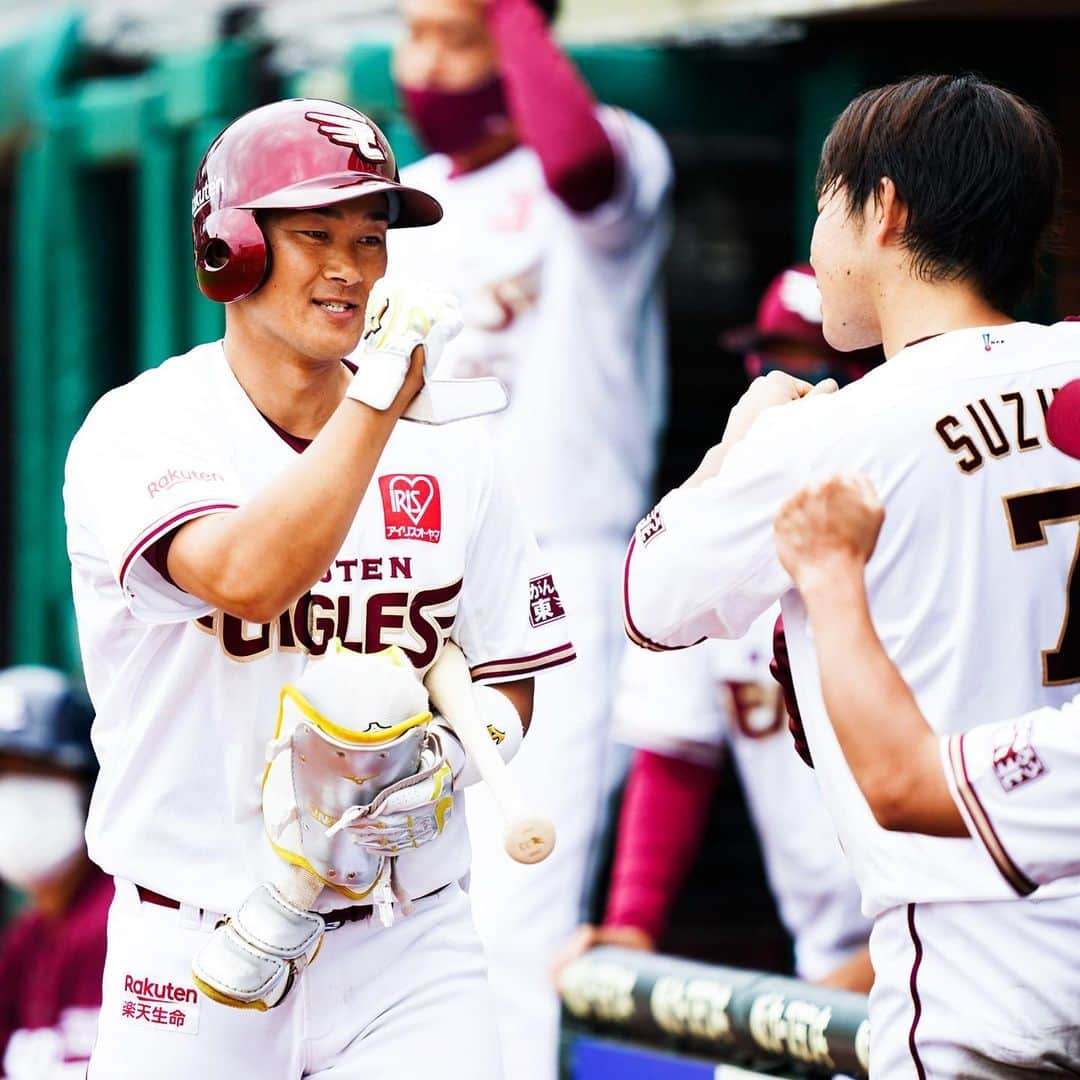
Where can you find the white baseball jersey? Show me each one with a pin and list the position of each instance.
(968, 585)
(187, 697)
(1030, 829)
(690, 703)
(566, 309)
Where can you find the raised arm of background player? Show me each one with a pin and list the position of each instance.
(824, 537)
(553, 109)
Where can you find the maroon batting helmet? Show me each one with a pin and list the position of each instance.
(1063, 419)
(297, 154)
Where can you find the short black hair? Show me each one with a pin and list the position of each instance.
(976, 166)
(550, 8)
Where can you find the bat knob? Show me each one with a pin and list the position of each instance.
(529, 839)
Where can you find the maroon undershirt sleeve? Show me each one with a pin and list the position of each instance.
(157, 555)
(552, 107)
(780, 669)
(665, 807)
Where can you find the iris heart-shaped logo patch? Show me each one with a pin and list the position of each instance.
(412, 507)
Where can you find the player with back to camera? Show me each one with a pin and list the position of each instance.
(555, 228)
(260, 550)
(53, 951)
(682, 711)
(936, 197)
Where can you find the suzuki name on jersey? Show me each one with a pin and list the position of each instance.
(994, 426)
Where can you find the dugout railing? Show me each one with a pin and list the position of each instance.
(636, 1015)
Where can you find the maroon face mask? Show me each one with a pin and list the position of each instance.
(450, 122)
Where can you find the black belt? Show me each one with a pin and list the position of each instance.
(333, 918)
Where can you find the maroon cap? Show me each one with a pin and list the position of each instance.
(1063, 419)
(790, 310)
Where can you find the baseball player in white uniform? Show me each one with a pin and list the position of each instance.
(968, 588)
(234, 516)
(692, 704)
(555, 227)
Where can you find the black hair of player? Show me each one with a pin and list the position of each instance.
(550, 8)
(977, 168)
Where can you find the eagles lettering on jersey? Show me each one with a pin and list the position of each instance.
(419, 620)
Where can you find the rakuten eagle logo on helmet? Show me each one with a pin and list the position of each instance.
(352, 131)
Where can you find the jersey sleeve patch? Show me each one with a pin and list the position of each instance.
(545, 605)
(1016, 761)
(980, 820)
(650, 526)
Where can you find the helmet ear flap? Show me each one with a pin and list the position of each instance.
(230, 255)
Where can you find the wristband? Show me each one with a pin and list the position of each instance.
(503, 722)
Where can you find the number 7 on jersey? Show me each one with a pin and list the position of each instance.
(1030, 513)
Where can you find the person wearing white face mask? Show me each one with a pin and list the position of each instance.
(53, 952)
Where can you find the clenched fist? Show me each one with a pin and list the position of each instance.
(406, 324)
(825, 525)
(766, 392)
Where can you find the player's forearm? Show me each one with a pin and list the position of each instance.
(663, 816)
(255, 561)
(889, 747)
(552, 107)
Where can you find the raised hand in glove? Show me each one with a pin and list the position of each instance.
(401, 317)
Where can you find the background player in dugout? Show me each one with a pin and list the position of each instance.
(680, 710)
(968, 588)
(229, 513)
(554, 232)
(53, 951)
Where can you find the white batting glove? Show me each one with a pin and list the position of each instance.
(409, 813)
(401, 316)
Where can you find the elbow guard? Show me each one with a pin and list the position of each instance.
(503, 725)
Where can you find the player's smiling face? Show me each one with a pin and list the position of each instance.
(323, 264)
(842, 255)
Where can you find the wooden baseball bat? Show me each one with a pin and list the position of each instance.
(528, 838)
